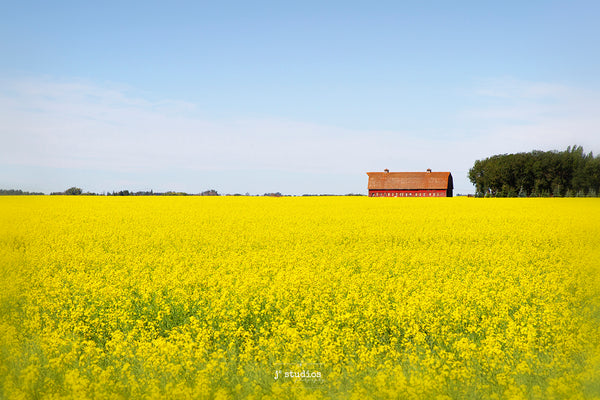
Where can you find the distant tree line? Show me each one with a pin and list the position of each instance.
(75, 191)
(210, 192)
(569, 173)
(18, 192)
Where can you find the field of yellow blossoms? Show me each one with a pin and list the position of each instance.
(306, 297)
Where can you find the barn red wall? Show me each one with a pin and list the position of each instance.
(407, 193)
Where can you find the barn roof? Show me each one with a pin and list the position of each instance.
(410, 180)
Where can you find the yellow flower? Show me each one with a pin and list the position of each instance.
(194, 297)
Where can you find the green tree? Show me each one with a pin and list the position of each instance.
(73, 191)
(537, 173)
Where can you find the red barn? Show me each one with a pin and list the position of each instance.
(410, 184)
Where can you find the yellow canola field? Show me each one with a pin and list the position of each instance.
(268, 298)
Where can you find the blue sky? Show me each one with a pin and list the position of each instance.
(296, 97)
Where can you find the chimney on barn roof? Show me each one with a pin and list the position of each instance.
(428, 170)
(386, 170)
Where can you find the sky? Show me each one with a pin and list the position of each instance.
(299, 97)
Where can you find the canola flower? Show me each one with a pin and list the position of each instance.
(195, 297)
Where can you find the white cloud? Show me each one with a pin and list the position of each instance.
(81, 125)
(511, 88)
(521, 116)
(77, 125)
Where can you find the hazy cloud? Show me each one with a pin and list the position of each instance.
(521, 116)
(80, 125)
